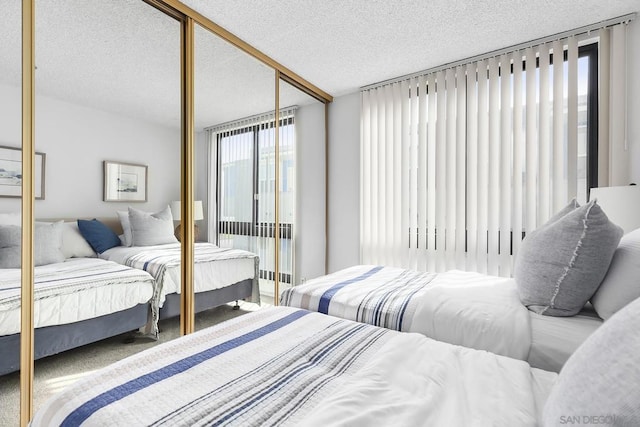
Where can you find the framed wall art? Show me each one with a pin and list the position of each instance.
(124, 182)
(11, 173)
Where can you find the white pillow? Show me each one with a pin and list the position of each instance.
(10, 218)
(149, 229)
(73, 244)
(127, 237)
(621, 285)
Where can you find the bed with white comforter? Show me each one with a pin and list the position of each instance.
(288, 366)
(76, 302)
(214, 267)
(72, 291)
(465, 308)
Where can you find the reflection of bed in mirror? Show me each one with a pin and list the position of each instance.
(147, 242)
(220, 275)
(78, 298)
(66, 312)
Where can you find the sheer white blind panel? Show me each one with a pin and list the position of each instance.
(459, 164)
(242, 189)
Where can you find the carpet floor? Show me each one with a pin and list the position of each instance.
(55, 373)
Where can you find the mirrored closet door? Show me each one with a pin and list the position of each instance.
(138, 109)
(10, 209)
(108, 105)
(234, 116)
(302, 186)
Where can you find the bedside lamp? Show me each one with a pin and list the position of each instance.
(197, 215)
(621, 204)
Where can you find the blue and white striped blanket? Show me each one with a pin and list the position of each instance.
(91, 286)
(214, 267)
(284, 366)
(156, 261)
(465, 308)
(371, 295)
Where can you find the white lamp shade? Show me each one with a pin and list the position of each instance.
(197, 210)
(621, 204)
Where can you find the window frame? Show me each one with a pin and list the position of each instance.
(254, 228)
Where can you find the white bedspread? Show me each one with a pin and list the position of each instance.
(291, 367)
(74, 290)
(214, 267)
(554, 339)
(465, 308)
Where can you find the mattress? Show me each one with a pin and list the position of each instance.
(74, 290)
(554, 339)
(214, 267)
(285, 366)
(464, 308)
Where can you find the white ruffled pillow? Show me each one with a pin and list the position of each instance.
(73, 244)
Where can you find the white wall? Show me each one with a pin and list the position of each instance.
(310, 222)
(344, 163)
(344, 182)
(201, 181)
(76, 139)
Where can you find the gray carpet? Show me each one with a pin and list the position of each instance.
(54, 373)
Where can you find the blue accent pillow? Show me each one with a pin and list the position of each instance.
(98, 235)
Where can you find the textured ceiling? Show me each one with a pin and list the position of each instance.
(123, 55)
(342, 45)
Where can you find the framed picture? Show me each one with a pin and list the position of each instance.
(124, 182)
(11, 173)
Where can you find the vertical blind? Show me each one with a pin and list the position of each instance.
(458, 165)
(242, 189)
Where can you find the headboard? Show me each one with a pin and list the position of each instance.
(112, 223)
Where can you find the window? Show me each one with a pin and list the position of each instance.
(459, 164)
(246, 195)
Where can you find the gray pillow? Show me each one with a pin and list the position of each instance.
(599, 383)
(561, 264)
(47, 244)
(621, 285)
(10, 241)
(151, 229)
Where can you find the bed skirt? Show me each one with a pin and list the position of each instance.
(209, 299)
(55, 339)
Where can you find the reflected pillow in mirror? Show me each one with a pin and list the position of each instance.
(98, 235)
(73, 244)
(149, 229)
(127, 237)
(47, 244)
